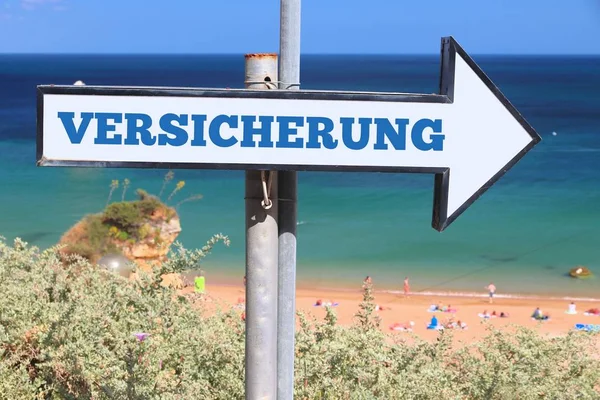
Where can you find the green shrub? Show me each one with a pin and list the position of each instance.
(149, 206)
(124, 215)
(144, 231)
(67, 332)
(83, 249)
(123, 236)
(96, 231)
(129, 216)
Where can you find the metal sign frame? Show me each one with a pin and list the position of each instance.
(449, 49)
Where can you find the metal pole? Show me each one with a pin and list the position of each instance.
(289, 77)
(261, 258)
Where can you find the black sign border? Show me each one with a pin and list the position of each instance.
(449, 49)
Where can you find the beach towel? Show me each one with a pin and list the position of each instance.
(541, 319)
(481, 315)
(437, 327)
(571, 312)
(587, 314)
(463, 326)
(587, 327)
(447, 310)
(400, 329)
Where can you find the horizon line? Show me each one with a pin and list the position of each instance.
(303, 54)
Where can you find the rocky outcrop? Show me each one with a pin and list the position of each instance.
(154, 247)
(141, 230)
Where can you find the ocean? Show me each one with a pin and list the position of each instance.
(524, 234)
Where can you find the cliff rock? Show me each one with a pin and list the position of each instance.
(141, 230)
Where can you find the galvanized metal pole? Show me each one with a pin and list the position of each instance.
(289, 77)
(261, 258)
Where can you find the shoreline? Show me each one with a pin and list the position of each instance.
(343, 287)
(414, 310)
(496, 296)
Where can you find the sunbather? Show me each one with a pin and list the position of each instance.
(402, 326)
(538, 315)
(321, 303)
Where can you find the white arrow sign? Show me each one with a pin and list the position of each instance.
(468, 135)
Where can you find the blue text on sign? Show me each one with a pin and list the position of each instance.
(254, 131)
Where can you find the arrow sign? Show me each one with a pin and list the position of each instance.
(469, 135)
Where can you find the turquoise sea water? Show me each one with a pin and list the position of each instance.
(524, 234)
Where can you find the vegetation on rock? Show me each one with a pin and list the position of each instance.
(122, 225)
(79, 332)
(126, 221)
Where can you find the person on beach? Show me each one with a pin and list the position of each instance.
(492, 290)
(538, 315)
(434, 322)
(406, 287)
(402, 326)
(322, 303)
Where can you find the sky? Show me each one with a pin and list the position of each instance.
(328, 26)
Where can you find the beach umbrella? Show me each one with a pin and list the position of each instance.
(116, 263)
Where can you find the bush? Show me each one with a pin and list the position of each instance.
(147, 203)
(124, 215)
(144, 231)
(128, 217)
(362, 362)
(69, 332)
(96, 231)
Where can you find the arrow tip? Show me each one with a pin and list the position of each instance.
(488, 135)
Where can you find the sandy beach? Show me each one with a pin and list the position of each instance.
(400, 309)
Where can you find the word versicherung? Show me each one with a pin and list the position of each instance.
(254, 131)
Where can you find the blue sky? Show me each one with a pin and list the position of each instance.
(328, 26)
